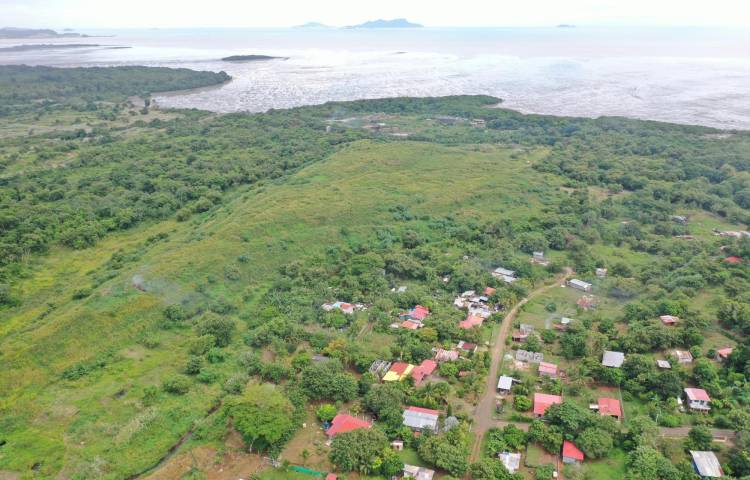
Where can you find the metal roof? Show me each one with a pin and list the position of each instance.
(613, 359)
(706, 464)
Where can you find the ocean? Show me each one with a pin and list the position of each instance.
(682, 75)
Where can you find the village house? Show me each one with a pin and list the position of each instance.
(347, 308)
(421, 419)
(669, 320)
(398, 372)
(601, 272)
(681, 219)
(570, 453)
(442, 355)
(539, 259)
(608, 407)
(418, 313)
(471, 322)
(613, 359)
(342, 423)
(489, 291)
(542, 401)
(412, 324)
(418, 473)
(683, 356)
(507, 276)
(505, 384)
(698, 399)
(530, 357)
(547, 369)
(580, 285)
(329, 475)
(512, 461)
(466, 347)
(706, 464)
(663, 364)
(422, 371)
(733, 260)
(723, 354)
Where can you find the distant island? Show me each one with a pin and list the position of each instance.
(12, 32)
(251, 58)
(48, 46)
(566, 25)
(313, 25)
(396, 23)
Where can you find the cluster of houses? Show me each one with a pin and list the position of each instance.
(413, 319)
(348, 308)
(478, 307)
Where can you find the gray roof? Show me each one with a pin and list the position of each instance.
(420, 420)
(505, 271)
(525, 356)
(505, 382)
(418, 473)
(663, 364)
(613, 359)
(706, 464)
(579, 283)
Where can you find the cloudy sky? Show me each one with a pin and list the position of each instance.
(255, 13)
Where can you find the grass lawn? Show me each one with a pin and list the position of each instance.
(411, 457)
(608, 468)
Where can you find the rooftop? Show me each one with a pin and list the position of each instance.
(571, 451)
(613, 359)
(706, 464)
(345, 423)
(542, 401)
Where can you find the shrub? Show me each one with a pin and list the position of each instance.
(177, 385)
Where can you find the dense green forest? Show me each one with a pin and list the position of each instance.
(162, 274)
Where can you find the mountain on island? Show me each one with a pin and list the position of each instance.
(12, 32)
(313, 25)
(251, 58)
(396, 23)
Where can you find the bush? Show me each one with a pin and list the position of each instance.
(522, 403)
(177, 385)
(82, 293)
(326, 412)
(235, 384)
(220, 327)
(202, 344)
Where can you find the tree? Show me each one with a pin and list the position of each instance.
(490, 469)
(326, 412)
(328, 381)
(359, 450)
(391, 464)
(646, 463)
(449, 451)
(510, 438)
(522, 403)
(220, 327)
(699, 438)
(594, 442)
(177, 384)
(262, 415)
(194, 365)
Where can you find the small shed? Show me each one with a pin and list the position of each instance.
(663, 364)
(613, 359)
(547, 369)
(571, 453)
(683, 356)
(706, 464)
(723, 353)
(669, 320)
(504, 384)
(609, 407)
(580, 285)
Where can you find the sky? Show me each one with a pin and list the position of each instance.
(82, 14)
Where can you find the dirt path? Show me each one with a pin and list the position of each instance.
(483, 420)
(720, 435)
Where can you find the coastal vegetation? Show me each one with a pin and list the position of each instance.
(162, 276)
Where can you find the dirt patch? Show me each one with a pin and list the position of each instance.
(232, 465)
(308, 446)
(8, 475)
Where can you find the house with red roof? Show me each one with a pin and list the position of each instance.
(571, 453)
(547, 369)
(542, 401)
(411, 324)
(466, 347)
(698, 399)
(610, 407)
(417, 313)
(423, 370)
(723, 353)
(331, 476)
(398, 371)
(733, 259)
(345, 423)
(471, 322)
(669, 320)
(489, 291)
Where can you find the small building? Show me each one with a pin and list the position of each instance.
(706, 464)
(512, 461)
(698, 399)
(681, 219)
(412, 324)
(733, 260)
(663, 364)
(547, 369)
(398, 372)
(508, 276)
(471, 322)
(613, 359)
(331, 476)
(442, 355)
(601, 272)
(683, 356)
(489, 291)
(424, 370)
(418, 313)
(520, 337)
(669, 320)
(571, 453)
(538, 258)
(466, 347)
(609, 407)
(347, 308)
(580, 285)
(421, 419)
(418, 473)
(531, 357)
(397, 445)
(342, 423)
(542, 401)
(505, 384)
(723, 354)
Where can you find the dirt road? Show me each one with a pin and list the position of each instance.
(483, 412)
